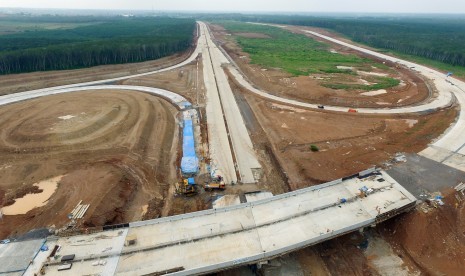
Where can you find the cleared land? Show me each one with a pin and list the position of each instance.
(115, 149)
(357, 147)
(347, 143)
(317, 73)
(281, 135)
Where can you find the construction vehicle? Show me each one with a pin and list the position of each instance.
(187, 187)
(216, 184)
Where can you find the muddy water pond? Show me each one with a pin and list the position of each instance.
(31, 201)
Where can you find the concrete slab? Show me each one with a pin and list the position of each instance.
(246, 159)
(251, 197)
(15, 257)
(421, 174)
(88, 250)
(456, 161)
(41, 257)
(225, 201)
(173, 98)
(218, 141)
(215, 239)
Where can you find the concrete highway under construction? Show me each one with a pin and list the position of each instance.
(217, 239)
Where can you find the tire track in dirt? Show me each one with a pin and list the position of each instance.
(120, 169)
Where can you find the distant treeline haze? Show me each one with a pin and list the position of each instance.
(108, 41)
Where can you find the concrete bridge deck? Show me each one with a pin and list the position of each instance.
(217, 239)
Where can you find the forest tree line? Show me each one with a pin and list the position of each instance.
(120, 40)
(436, 38)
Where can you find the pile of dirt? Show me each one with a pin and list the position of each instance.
(112, 207)
(154, 209)
(435, 241)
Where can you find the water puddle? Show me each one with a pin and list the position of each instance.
(31, 201)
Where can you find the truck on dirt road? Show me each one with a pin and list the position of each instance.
(214, 186)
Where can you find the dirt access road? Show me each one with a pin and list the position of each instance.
(348, 142)
(116, 150)
(410, 245)
(308, 91)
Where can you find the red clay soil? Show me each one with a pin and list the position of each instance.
(348, 143)
(435, 241)
(117, 154)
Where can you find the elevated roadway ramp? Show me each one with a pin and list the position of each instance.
(220, 151)
(220, 100)
(216, 239)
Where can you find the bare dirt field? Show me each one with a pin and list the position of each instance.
(412, 88)
(186, 81)
(116, 151)
(348, 143)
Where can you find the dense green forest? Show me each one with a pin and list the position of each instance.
(105, 40)
(436, 38)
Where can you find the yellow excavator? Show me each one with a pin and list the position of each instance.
(187, 187)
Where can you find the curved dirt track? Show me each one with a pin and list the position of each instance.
(443, 99)
(448, 149)
(116, 150)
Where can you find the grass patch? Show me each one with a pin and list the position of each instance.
(294, 53)
(314, 148)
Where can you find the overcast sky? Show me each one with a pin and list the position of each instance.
(383, 6)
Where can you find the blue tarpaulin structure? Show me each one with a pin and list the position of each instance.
(189, 161)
